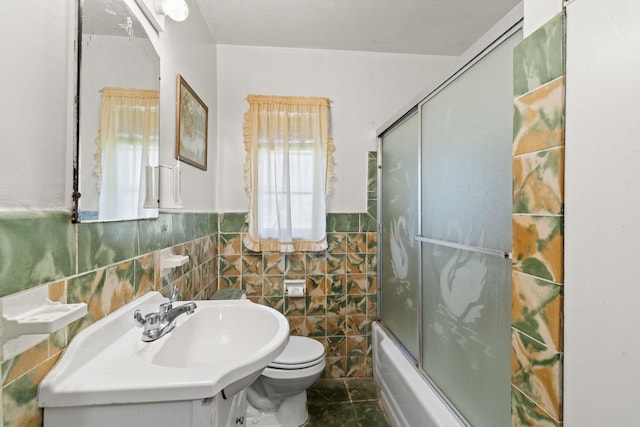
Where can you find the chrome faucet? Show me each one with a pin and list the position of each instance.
(156, 325)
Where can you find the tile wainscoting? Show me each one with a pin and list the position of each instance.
(341, 282)
(341, 286)
(538, 227)
(107, 265)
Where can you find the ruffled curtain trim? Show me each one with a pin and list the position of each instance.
(117, 92)
(273, 245)
(251, 239)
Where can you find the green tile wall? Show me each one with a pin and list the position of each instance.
(538, 227)
(539, 58)
(105, 265)
(35, 248)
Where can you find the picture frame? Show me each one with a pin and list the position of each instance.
(191, 126)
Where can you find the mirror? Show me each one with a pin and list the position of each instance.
(118, 107)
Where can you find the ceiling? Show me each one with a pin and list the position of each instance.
(429, 27)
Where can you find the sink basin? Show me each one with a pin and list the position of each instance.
(223, 346)
(217, 333)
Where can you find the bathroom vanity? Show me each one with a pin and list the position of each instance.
(215, 411)
(196, 375)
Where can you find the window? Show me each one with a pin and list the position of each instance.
(287, 172)
(127, 145)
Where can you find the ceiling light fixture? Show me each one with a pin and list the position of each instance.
(178, 10)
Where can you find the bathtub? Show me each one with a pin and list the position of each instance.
(408, 398)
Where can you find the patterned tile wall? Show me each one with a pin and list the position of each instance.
(105, 265)
(538, 237)
(341, 283)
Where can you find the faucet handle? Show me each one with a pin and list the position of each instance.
(138, 318)
(166, 306)
(174, 294)
(148, 322)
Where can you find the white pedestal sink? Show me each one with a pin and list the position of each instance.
(109, 376)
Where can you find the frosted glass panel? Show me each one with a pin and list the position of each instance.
(467, 324)
(400, 257)
(466, 198)
(467, 133)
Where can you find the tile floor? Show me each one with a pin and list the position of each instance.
(345, 403)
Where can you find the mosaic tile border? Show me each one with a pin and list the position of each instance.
(538, 227)
(538, 119)
(536, 371)
(540, 57)
(537, 309)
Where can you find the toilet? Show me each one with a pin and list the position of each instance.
(278, 398)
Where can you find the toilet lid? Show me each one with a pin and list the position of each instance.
(300, 352)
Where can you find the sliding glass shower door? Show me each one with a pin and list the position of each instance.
(466, 238)
(446, 175)
(400, 264)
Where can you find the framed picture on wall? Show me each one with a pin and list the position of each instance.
(191, 126)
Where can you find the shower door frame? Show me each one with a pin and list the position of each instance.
(510, 24)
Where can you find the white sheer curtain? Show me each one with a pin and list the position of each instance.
(127, 143)
(288, 169)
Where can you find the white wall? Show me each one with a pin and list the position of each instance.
(187, 48)
(36, 132)
(365, 89)
(539, 12)
(602, 222)
(35, 41)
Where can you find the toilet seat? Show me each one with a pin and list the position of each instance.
(294, 374)
(300, 353)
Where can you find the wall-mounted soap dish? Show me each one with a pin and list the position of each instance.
(43, 320)
(29, 316)
(169, 260)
